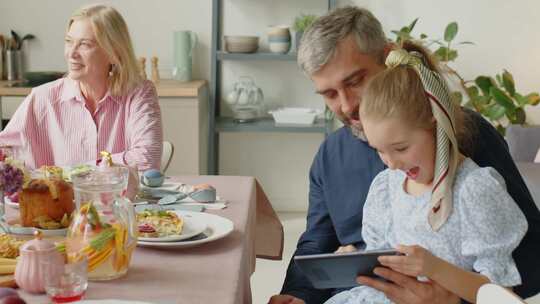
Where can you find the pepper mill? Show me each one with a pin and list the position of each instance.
(155, 70)
(142, 67)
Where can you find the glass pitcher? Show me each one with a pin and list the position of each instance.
(104, 226)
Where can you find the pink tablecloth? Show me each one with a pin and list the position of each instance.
(215, 272)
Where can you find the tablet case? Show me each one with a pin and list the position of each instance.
(339, 270)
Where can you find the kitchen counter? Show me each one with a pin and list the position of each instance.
(165, 88)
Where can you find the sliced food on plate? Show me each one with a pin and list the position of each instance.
(159, 223)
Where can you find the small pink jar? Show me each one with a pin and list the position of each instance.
(29, 273)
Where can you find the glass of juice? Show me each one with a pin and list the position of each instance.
(67, 282)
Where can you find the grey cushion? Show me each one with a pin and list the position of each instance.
(531, 175)
(523, 142)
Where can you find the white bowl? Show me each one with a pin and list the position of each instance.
(295, 116)
(241, 44)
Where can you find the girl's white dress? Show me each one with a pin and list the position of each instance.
(486, 225)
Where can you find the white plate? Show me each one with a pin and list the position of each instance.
(30, 231)
(190, 229)
(10, 203)
(217, 227)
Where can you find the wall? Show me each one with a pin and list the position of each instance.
(504, 33)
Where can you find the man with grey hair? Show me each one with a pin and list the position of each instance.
(339, 53)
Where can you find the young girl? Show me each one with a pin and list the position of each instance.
(453, 221)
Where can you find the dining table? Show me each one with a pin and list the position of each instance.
(212, 272)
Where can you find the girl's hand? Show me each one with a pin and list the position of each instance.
(416, 261)
(346, 248)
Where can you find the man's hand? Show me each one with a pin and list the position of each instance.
(285, 299)
(403, 289)
(346, 248)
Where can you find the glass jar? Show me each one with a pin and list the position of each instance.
(246, 100)
(104, 226)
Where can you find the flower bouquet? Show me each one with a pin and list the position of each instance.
(13, 175)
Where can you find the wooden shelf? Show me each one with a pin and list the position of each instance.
(222, 55)
(227, 124)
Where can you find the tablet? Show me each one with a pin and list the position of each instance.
(339, 270)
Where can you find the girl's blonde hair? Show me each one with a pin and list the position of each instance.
(399, 93)
(112, 36)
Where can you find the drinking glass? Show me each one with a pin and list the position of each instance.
(66, 282)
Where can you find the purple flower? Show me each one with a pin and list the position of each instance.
(11, 178)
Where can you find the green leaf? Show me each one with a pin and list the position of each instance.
(502, 98)
(484, 83)
(452, 55)
(521, 100)
(519, 116)
(508, 83)
(28, 37)
(411, 26)
(442, 53)
(423, 36)
(472, 91)
(533, 99)
(499, 80)
(495, 112)
(450, 32)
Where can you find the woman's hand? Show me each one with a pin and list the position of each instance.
(416, 261)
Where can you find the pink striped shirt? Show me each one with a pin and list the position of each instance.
(54, 127)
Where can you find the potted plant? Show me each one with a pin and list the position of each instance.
(495, 98)
(301, 23)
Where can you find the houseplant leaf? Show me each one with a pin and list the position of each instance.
(473, 92)
(502, 99)
(445, 54)
(411, 26)
(533, 99)
(484, 83)
(520, 116)
(508, 83)
(495, 112)
(450, 32)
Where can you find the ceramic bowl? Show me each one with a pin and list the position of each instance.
(241, 44)
(279, 47)
(279, 30)
(152, 178)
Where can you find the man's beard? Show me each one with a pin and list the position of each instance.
(356, 130)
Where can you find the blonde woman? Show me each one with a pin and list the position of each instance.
(101, 104)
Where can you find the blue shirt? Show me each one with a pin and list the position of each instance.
(340, 177)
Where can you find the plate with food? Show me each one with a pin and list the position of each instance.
(167, 226)
(217, 227)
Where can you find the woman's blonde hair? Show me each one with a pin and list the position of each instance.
(398, 92)
(112, 36)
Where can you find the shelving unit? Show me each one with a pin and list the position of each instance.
(219, 124)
